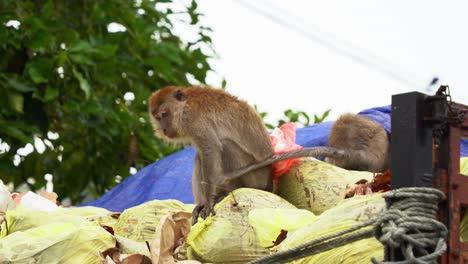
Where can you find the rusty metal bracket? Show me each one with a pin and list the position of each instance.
(441, 113)
(425, 143)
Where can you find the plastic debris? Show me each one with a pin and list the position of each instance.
(227, 237)
(59, 242)
(139, 223)
(316, 186)
(346, 214)
(283, 139)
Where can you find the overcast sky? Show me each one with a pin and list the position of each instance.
(343, 55)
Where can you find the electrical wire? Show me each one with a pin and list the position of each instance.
(332, 43)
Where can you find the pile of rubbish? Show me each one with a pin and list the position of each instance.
(248, 224)
(314, 199)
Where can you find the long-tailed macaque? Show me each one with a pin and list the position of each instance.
(227, 135)
(366, 139)
(232, 144)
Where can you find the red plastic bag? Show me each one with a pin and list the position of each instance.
(283, 139)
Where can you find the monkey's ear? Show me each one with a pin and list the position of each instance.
(179, 95)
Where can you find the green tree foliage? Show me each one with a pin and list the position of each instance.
(300, 117)
(62, 71)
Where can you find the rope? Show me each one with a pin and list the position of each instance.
(408, 224)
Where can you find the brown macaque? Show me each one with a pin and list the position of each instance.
(355, 143)
(232, 145)
(366, 139)
(226, 132)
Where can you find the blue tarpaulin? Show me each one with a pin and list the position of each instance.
(171, 177)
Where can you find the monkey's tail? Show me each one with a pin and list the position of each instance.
(305, 152)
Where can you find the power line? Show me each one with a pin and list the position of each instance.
(305, 24)
(331, 45)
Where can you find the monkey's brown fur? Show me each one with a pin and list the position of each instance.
(366, 139)
(226, 132)
(233, 147)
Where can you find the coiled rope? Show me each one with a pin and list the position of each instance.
(408, 226)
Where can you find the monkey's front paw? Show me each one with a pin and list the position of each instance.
(196, 212)
(206, 211)
(202, 211)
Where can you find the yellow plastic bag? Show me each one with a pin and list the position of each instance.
(228, 237)
(139, 223)
(269, 222)
(464, 166)
(22, 219)
(346, 214)
(317, 186)
(98, 215)
(464, 221)
(464, 227)
(58, 242)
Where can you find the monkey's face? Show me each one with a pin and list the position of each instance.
(165, 109)
(163, 122)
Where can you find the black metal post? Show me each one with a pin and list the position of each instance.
(411, 147)
(411, 142)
